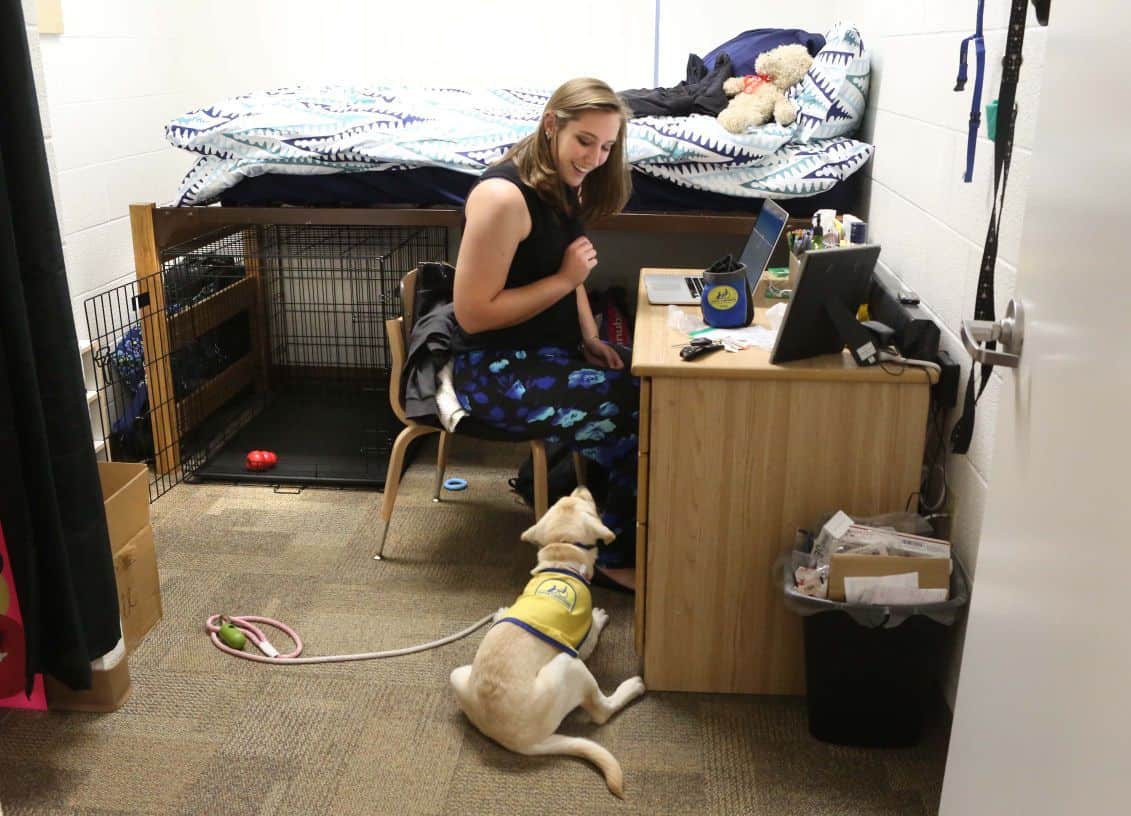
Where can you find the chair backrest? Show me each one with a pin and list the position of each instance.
(435, 286)
(397, 329)
(408, 299)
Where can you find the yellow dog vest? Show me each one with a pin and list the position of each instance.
(555, 606)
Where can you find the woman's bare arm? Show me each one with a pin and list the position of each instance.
(497, 221)
(585, 318)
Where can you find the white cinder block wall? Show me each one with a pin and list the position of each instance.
(266, 43)
(123, 68)
(107, 86)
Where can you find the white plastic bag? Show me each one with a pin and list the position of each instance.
(681, 321)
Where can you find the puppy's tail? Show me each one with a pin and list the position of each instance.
(586, 749)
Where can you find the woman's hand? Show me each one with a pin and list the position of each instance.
(578, 261)
(601, 354)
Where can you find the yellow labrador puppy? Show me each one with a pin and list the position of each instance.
(528, 673)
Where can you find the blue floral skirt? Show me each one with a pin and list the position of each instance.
(552, 393)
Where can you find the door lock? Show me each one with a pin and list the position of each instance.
(1009, 332)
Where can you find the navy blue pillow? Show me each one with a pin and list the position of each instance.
(745, 48)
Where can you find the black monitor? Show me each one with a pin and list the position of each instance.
(821, 315)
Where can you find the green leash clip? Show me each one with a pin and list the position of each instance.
(231, 635)
(991, 120)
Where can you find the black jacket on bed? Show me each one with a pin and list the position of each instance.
(702, 92)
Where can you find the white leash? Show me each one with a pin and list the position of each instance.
(230, 634)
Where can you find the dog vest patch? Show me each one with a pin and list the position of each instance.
(555, 606)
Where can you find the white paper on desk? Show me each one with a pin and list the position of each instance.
(739, 339)
(890, 589)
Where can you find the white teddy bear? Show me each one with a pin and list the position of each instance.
(761, 96)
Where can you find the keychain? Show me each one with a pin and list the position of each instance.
(698, 347)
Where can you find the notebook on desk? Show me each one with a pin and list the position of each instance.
(687, 290)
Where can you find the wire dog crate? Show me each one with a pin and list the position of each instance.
(258, 338)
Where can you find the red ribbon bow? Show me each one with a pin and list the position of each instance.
(752, 82)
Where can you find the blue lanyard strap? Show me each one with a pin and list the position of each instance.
(976, 101)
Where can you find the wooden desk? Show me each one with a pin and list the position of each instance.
(735, 455)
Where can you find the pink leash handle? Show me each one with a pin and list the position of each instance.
(246, 624)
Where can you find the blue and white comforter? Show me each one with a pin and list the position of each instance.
(312, 130)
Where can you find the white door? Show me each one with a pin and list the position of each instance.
(1042, 723)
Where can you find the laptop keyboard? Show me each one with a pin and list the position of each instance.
(694, 286)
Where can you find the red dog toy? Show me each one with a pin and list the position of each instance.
(261, 460)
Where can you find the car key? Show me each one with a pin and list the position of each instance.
(698, 347)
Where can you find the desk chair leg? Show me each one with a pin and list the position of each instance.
(541, 489)
(393, 479)
(441, 463)
(579, 467)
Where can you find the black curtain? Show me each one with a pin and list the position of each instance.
(50, 499)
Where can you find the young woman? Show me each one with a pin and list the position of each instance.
(527, 358)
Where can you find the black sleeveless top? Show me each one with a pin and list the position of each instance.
(537, 256)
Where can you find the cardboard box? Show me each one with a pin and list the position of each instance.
(109, 690)
(139, 587)
(934, 573)
(125, 494)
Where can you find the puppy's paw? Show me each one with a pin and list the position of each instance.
(633, 687)
(500, 614)
(600, 617)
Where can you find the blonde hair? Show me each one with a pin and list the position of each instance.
(606, 189)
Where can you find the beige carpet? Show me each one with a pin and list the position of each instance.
(203, 733)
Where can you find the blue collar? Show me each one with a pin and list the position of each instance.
(563, 571)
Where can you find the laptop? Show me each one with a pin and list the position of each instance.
(687, 291)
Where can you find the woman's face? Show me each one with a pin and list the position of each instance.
(583, 144)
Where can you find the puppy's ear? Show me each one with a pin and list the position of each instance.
(536, 535)
(598, 532)
(583, 493)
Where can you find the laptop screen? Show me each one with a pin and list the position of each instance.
(763, 238)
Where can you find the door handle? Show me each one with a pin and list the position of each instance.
(1009, 331)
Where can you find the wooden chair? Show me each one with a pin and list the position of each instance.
(398, 330)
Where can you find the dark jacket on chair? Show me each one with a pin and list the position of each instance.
(429, 344)
(429, 349)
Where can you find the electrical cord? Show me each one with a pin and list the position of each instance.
(936, 462)
(935, 465)
(889, 355)
(245, 624)
(886, 357)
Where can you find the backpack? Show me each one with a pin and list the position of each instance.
(560, 476)
(610, 309)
